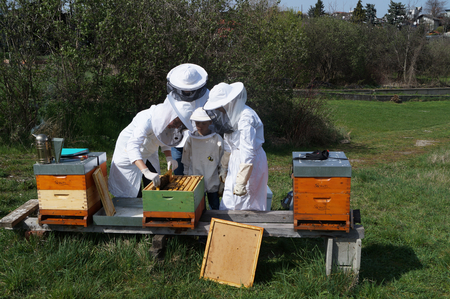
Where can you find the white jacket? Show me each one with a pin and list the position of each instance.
(201, 156)
(136, 141)
(245, 144)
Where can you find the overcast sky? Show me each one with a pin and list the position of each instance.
(381, 6)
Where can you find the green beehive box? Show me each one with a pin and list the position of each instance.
(173, 201)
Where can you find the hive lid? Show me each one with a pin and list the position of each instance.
(72, 167)
(335, 166)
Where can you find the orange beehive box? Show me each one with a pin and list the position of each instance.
(67, 192)
(322, 193)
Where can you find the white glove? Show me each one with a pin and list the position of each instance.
(245, 171)
(171, 162)
(224, 166)
(152, 176)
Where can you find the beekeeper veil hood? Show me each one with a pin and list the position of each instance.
(169, 119)
(187, 82)
(232, 97)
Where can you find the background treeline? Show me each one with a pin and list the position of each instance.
(82, 69)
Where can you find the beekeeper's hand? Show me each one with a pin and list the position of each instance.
(171, 162)
(223, 175)
(153, 176)
(224, 166)
(221, 187)
(245, 171)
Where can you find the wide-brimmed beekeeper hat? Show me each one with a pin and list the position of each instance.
(187, 77)
(200, 115)
(222, 94)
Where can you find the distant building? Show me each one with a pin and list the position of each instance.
(430, 22)
(413, 14)
(342, 15)
(446, 13)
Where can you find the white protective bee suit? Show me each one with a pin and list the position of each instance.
(187, 82)
(246, 179)
(202, 154)
(141, 139)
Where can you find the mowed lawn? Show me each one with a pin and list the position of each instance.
(400, 157)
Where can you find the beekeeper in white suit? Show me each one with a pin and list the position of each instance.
(162, 126)
(244, 164)
(186, 82)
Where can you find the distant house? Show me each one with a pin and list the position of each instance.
(413, 14)
(446, 13)
(429, 21)
(342, 15)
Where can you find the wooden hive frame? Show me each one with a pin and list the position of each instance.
(231, 253)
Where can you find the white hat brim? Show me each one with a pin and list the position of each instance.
(200, 118)
(199, 114)
(212, 104)
(175, 77)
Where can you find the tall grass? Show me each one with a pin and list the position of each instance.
(401, 189)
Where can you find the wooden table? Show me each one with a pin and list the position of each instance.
(342, 249)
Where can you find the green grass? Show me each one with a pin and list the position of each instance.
(401, 189)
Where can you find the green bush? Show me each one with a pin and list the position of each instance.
(106, 60)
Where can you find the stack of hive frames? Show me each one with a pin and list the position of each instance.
(179, 204)
(67, 192)
(178, 183)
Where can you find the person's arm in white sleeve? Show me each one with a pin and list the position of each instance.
(247, 149)
(137, 139)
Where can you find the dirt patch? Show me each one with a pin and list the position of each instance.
(406, 153)
(424, 142)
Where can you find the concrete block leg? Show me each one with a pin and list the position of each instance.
(158, 248)
(345, 253)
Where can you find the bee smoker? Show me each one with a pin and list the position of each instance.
(44, 149)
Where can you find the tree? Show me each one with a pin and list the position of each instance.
(359, 14)
(371, 14)
(396, 13)
(435, 7)
(311, 11)
(319, 9)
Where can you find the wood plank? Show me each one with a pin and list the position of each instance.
(102, 188)
(20, 213)
(250, 216)
(202, 228)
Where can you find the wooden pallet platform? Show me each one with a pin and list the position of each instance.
(342, 249)
(174, 219)
(68, 217)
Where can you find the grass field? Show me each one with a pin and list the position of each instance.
(400, 156)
